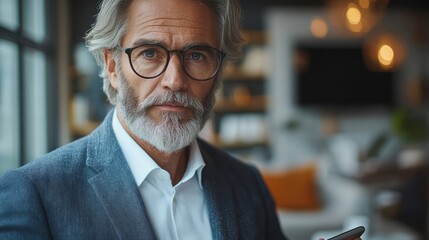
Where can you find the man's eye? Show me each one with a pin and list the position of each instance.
(196, 56)
(149, 53)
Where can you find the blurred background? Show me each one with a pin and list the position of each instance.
(330, 102)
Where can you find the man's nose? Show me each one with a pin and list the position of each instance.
(174, 77)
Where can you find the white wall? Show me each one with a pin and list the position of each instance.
(285, 27)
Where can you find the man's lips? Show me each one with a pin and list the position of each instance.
(172, 107)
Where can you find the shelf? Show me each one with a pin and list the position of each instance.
(236, 73)
(240, 109)
(238, 144)
(251, 104)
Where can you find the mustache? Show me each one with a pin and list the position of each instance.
(178, 98)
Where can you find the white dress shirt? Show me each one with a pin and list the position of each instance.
(176, 212)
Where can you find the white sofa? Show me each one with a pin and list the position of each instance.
(340, 197)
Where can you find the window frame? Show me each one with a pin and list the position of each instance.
(49, 49)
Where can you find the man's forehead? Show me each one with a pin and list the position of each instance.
(171, 21)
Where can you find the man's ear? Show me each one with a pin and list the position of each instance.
(110, 63)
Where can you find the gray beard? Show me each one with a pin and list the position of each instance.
(172, 133)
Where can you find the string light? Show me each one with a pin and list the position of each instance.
(355, 16)
(319, 28)
(386, 55)
(384, 52)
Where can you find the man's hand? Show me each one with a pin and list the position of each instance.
(345, 239)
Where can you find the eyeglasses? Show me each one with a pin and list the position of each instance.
(200, 63)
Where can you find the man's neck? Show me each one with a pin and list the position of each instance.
(174, 163)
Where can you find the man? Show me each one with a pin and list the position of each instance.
(143, 174)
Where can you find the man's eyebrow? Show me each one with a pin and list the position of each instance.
(143, 41)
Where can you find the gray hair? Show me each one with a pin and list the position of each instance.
(111, 26)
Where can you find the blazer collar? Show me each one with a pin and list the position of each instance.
(220, 199)
(114, 184)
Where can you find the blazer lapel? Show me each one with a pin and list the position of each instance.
(220, 201)
(114, 185)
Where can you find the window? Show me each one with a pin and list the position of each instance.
(34, 26)
(26, 74)
(9, 103)
(9, 14)
(35, 103)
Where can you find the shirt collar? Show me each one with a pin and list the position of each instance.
(141, 164)
(195, 164)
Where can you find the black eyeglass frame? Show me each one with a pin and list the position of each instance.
(179, 52)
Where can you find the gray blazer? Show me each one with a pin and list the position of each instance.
(85, 190)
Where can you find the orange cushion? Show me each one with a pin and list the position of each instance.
(294, 189)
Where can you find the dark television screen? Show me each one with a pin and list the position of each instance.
(337, 77)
